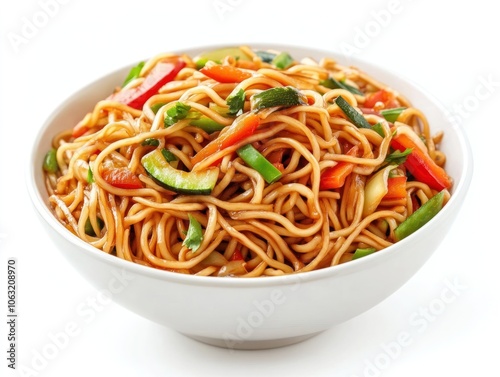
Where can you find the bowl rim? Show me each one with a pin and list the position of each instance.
(459, 189)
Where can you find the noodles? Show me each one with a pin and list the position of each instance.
(259, 165)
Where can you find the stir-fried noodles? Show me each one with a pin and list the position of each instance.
(246, 163)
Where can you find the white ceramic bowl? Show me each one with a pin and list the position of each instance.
(262, 312)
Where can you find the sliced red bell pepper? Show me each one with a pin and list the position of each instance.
(79, 130)
(382, 95)
(162, 73)
(225, 73)
(236, 255)
(335, 176)
(396, 187)
(421, 165)
(121, 178)
(242, 127)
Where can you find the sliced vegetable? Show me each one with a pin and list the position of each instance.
(194, 235)
(79, 129)
(376, 189)
(391, 115)
(50, 161)
(277, 97)
(170, 157)
(242, 127)
(236, 255)
(352, 114)
(282, 60)
(175, 113)
(397, 157)
(378, 128)
(90, 176)
(198, 183)
(150, 142)
(385, 98)
(219, 55)
(162, 73)
(421, 165)
(257, 161)
(233, 268)
(335, 176)
(89, 229)
(332, 83)
(121, 178)
(265, 56)
(225, 73)
(360, 253)
(396, 187)
(236, 102)
(156, 107)
(134, 73)
(207, 124)
(420, 217)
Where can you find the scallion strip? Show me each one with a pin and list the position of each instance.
(391, 115)
(351, 113)
(257, 161)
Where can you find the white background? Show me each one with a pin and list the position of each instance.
(450, 49)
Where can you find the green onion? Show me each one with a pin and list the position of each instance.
(265, 56)
(207, 124)
(377, 127)
(420, 217)
(90, 176)
(169, 156)
(257, 161)
(397, 157)
(351, 113)
(282, 61)
(150, 142)
(236, 101)
(134, 73)
(391, 115)
(50, 161)
(360, 253)
(89, 229)
(175, 113)
(194, 235)
(286, 96)
(331, 83)
(156, 107)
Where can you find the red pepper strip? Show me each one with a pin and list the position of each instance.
(387, 98)
(396, 187)
(335, 176)
(162, 73)
(236, 255)
(79, 130)
(420, 165)
(242, 127)
(121, 178)
(225, 73)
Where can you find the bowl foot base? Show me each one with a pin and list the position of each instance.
(251, 344)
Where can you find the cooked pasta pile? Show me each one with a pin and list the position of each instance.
(246, 163)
